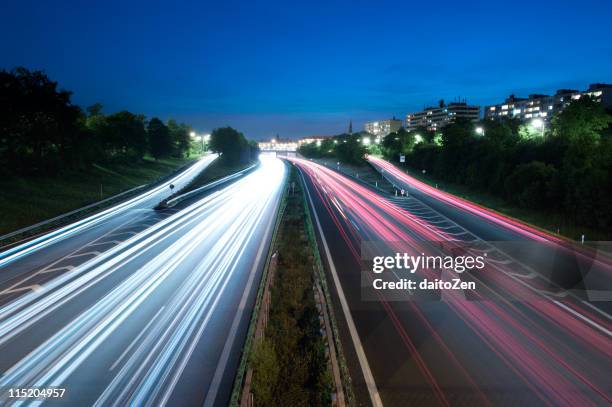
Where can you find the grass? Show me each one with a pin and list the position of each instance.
(28, 200)
(364, 172)
(216, 170)
(290, 366)
(553, 222)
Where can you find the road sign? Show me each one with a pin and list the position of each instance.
(402, 158)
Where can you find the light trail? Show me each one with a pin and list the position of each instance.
(185, 262)
(516, 226)
(559, 355)
(149, 198)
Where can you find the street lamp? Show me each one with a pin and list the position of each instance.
(197, 137)
(366, 141)
(418, 138)
(480, 131)
(205, 138)
(538, 124)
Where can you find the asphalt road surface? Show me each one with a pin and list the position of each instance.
(520, 338)
(139, 307)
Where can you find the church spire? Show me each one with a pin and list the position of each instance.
(350, 127)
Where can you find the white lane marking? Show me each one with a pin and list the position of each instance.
(520, 277)
(113, 242)
(34, 287)
(585, 319)
(67, 268)
(131, 345)
(94, 253)
(363, 361)
(602, 312)
(222, 364)
(50, 267)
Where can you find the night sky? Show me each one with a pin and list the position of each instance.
(296, 70)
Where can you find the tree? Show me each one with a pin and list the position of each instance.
(160, 143)
(533, 185)
(38, 123)
(230, 143)
(95, 109)
(126, 135)
(310, 150)
(400, 142)
(582, 121)
(179, 134)
(253, 150)
(351, 150)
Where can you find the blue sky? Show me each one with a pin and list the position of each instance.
(302, 69)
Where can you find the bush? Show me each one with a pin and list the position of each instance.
(533, 185)
(265, 372)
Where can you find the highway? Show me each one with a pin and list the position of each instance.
(519, 339)
(138, 307)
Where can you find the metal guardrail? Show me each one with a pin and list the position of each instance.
(171, 202)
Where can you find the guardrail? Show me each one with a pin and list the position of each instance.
(169, 203)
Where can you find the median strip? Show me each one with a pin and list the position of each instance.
(293, 353)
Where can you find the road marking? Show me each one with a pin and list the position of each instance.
(35, 287)
(94, 253)
(131, 345)
(213, 389)
(519, 278)
(113, 242)
(585, 319)
(50, 266)
(67, 268)
(363, 361)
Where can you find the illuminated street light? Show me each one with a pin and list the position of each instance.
(480, 131)
(273, 141)
(418, 138)
(192, 134)
(366, 141)
(538, 124)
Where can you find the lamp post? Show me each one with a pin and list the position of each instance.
(205, 138)
(480, 131)
(538, 124)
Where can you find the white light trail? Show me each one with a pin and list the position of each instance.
(148, 197)
(191, 258)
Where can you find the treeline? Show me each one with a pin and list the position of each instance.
(566, 168)
(348, 148)
(42, 131)
(232, 146)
